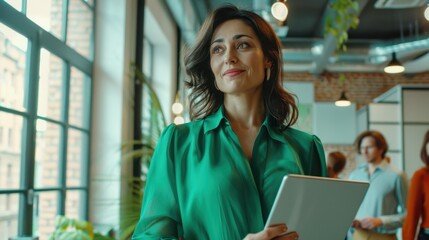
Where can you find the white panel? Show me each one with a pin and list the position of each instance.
(392, 133)
(384, 112)
(414, 102)
(362, 120)
(335, 125)
(413, 140)
(303, 90)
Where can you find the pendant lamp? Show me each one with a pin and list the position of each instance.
(343, 101)
(394, 65)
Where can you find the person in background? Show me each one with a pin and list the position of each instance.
(335, 164)
(382, 211)
(418, 199)
(217, 176)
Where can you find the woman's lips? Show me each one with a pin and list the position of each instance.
(233, 72)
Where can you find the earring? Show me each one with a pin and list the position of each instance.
(268, 74)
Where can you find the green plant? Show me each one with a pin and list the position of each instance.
(69, 228)
(153, 122)
(344, 16)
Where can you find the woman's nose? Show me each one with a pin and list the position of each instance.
(230, 56)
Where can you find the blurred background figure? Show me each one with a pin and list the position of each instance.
(418, 199)
(382, 211)
(335, 164)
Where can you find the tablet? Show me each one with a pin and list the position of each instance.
(317, 207)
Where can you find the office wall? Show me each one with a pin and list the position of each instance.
(361, 88)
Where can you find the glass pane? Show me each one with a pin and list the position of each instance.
(74, 204)
(79, 99)
(47, 154)
(50, 86)
(48, 14)
(77, 162)
(9, 204)
(17, 4)
(79, 27)
(44, 213)
(10, 150)
(13, 49)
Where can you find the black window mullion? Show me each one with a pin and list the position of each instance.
(87, 165)
(25, 216)
(65, 20)
(85, 174)
(64, 136)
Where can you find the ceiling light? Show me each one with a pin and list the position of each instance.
(179, 120)
(427, 13)
(177, 108)
(343, 101)
(394, 65)
(279, 11)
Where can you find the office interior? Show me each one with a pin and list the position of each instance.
(80, 80)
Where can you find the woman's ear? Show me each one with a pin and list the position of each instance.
(267, 63)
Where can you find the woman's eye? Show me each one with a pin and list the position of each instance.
(242, 45)
(216, 49)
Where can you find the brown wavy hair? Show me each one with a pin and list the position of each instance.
(205, 99)
(380, 141)
(338, 161)
(424, 155)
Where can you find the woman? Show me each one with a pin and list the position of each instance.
(336, 163)
(418, 199)
(217, 176)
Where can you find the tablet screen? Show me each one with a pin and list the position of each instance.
(317, 207)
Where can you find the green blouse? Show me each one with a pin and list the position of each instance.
(201, 186)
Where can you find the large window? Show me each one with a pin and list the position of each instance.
(46, 53)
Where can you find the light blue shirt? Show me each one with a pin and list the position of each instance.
(386, 197)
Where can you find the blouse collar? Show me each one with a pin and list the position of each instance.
(214, 121)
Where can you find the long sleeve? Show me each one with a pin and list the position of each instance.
(386, 196)
(318, 162)
(401, 191)
(198, 169)
(160, 216)
(414, 207)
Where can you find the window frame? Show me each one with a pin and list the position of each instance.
(39, 38)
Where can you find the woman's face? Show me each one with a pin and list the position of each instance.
(237, 59)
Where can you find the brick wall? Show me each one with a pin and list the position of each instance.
(360, 88)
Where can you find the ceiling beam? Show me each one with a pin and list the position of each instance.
(330, 43)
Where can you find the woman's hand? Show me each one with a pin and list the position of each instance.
(277, 232)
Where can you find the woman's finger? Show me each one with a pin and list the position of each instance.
(268, 233)
(288, 236)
